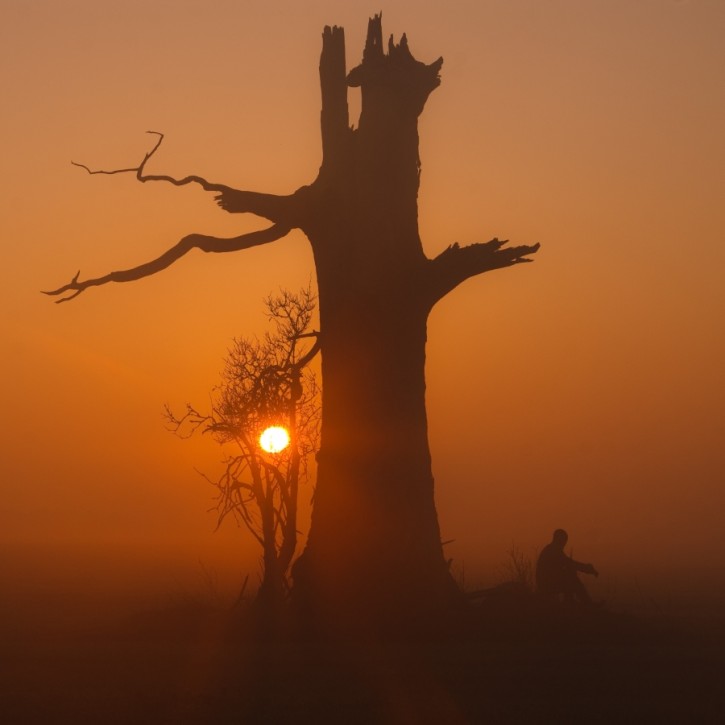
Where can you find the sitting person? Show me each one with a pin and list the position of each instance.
(556, 573)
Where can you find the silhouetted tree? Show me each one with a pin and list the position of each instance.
(264, 384)
(374, 547)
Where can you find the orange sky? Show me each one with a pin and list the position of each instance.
(584, 391)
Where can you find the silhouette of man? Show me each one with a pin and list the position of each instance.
(556, 573)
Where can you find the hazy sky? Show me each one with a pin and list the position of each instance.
(584, 391)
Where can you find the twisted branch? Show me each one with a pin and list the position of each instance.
(192, 241)
(139, 171)
(270, 206)
(278, 209)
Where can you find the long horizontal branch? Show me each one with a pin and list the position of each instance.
(192, 241)
(270, 206)
(457, 264)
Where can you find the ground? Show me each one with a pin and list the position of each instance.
(493, 662)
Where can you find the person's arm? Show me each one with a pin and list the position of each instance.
(584, 568)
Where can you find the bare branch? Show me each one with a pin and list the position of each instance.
(187, 424)
(273, 472)
(456, 264)
(192, 241)
(270, 206)
(310, 354)
(139, 171)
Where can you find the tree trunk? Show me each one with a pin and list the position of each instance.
(374, 538)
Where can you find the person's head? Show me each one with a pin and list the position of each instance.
(560, 538)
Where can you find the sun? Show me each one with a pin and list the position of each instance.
(274, 439)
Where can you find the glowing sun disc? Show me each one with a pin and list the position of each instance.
(274, 439)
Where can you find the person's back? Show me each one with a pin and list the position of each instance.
(552, 569)
(556, 573)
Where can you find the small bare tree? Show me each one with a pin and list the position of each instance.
(265, 383)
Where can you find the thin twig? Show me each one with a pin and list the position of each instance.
(139, 171)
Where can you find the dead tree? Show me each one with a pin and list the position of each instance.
(265, 383)
(374, 546)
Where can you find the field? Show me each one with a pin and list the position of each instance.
(498, 661)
